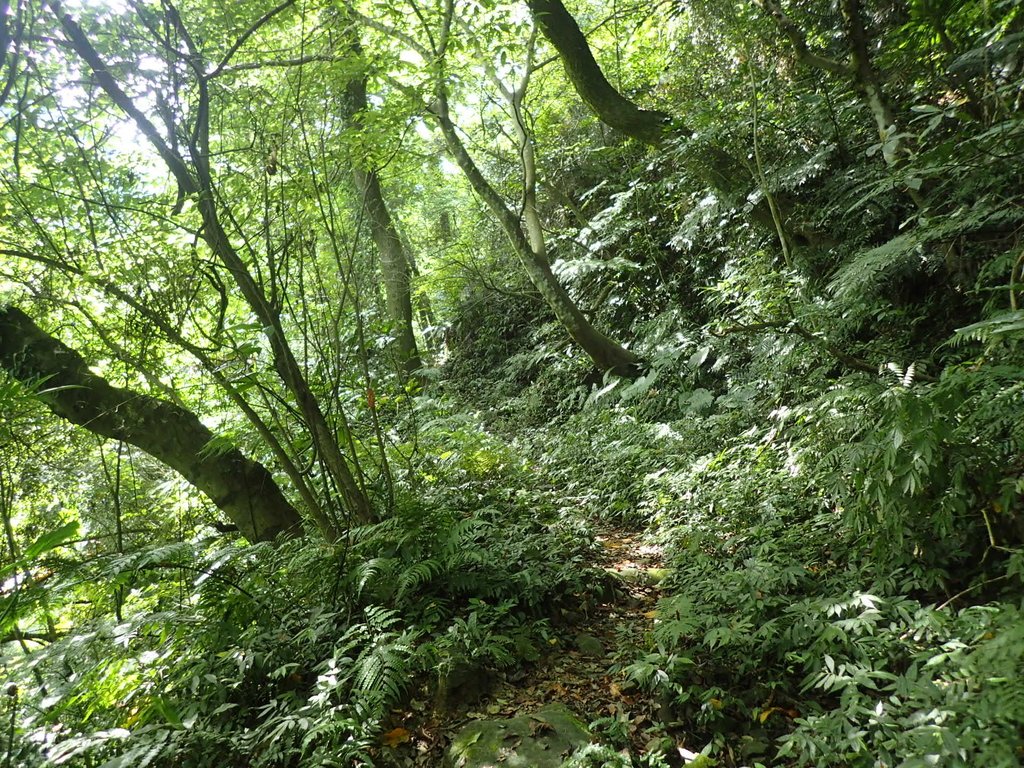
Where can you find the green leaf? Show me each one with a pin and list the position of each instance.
(49, 541)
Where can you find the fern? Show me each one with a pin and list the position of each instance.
(860, 277)
(380, 619)
(141, 756)
(384, 667)
(465, 531)
(416, 575)
(992, 329)
(373, 571)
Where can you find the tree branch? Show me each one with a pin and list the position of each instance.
(243, 489)
(798, 40)
(611, 107)
(262, 20)
(80, 43)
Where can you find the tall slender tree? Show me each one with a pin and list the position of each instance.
(395, 263)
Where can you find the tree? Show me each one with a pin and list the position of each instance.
(524, 231)
(241, 488)
(611, 107)
(708, 162)
(395, 263)
(187, 153)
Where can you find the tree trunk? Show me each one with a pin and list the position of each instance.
(611, 107)
(394, 263)
(287, 367)
(241, 488)
(394, 267)
(606, 354)
(868, 82)
(709, 163)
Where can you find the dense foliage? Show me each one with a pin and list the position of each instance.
(781, 333)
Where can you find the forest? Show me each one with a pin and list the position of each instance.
(479, 383)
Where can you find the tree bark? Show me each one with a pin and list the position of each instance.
(241, 488)
(394, 263)
(606, 354)
(611, 107)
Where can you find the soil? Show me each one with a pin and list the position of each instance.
(593, 687)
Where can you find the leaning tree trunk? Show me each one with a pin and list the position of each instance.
(607, 354)
(241, 488)
(708, 163)
(611, 107)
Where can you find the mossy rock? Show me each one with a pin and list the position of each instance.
(589, 645)
(542, 739)
(464, 684)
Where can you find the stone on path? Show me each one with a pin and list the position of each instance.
(542, 739)
(589, 645)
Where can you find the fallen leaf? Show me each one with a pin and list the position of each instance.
(395, 736)
(765, 714)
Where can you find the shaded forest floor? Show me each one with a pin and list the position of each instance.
(592, 641)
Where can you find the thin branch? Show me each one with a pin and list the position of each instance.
(5, 39)
(261, 21)
(761, 177)
(798, 39)
(80, 43)
(390, 31)
(296, 62)
(970, 589)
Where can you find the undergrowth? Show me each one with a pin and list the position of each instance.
(296, 654)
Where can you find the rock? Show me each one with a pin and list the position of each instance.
(543, 739)
(464, 684)
(589, 645)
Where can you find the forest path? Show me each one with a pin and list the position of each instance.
(583, 668)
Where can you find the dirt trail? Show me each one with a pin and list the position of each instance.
(582, 668)
(586, 682)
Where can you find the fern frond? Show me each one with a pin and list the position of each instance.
(380, 619)
(387, 530)
(140, 756)
(860, 276)
(463, 532)
(1003, 324)
(384, 668)
(373, 571)
(418, 574)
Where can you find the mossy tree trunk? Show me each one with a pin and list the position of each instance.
(394, 262)
(711, 164)
(611, 107)
(241, 488)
